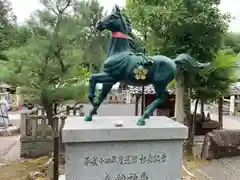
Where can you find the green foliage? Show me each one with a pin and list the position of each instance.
(196, 27)
(7, 21)
(50, 50)
(171, 84)
(45, 57)
(175, 27)
(92, 43)
(20, 36)
(216, 81)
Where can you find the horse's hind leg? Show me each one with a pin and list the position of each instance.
(160, 92)
(106, 88)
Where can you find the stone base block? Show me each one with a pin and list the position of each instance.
(35, 147)
(98, 150)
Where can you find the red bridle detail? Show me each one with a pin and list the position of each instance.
(120, 35)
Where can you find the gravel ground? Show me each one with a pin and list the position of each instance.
(9, 148)
(222, 169)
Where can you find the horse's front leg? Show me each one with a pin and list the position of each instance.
(92, 88)
(98, 78)
(108, 81)
(106, 88)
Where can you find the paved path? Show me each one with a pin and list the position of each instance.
(222, 169)
(9, 149)
(229, 122)
(10, 146)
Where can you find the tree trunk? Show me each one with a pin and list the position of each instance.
(55, 149)
(220, 111)
(53, 122)
(49, 111)
(192, 128)
(202, 110)
(143, 103)
(179, 102)
(55, 105)
(232, 105)
(136, 104)
(238, 104)
(182, 103)
(90, 68)
(186, 105)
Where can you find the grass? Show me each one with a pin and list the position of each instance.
(20, 170)
(192, 164)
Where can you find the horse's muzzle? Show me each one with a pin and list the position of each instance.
(99, 26)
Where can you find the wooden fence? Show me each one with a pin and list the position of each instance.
(36, 133)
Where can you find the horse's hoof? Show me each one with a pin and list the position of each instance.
(88, 118)
(141, 122)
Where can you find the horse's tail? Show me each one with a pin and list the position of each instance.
(188, 63)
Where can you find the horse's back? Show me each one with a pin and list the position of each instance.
(164, 68)
(164, 59)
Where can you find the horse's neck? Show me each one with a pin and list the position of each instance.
(118, 45)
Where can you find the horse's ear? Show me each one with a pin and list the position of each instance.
(113, 9)
(117, 9)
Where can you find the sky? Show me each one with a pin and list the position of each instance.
(23, 10)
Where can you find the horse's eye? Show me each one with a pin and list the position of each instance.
(114, 16)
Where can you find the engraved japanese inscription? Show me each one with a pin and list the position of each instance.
(128, 176)
(129, 159)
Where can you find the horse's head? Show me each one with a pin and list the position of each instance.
(114, 22)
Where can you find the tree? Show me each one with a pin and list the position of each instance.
(140, 23)
(216, 80)
(92, 43)
(47, 67)
(7, 20)
(50, 59)
(214, 83)
(20, 36)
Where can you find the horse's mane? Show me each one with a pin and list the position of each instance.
(132, 42)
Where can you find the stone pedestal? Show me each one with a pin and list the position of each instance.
(98, 150)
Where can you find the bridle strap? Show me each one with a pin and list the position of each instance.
(120, 35)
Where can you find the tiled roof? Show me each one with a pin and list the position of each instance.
(147, 89)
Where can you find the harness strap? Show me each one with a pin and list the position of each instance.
(120, 35)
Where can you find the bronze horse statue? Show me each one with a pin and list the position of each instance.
(125, 65)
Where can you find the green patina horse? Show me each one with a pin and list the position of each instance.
(124, 65)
